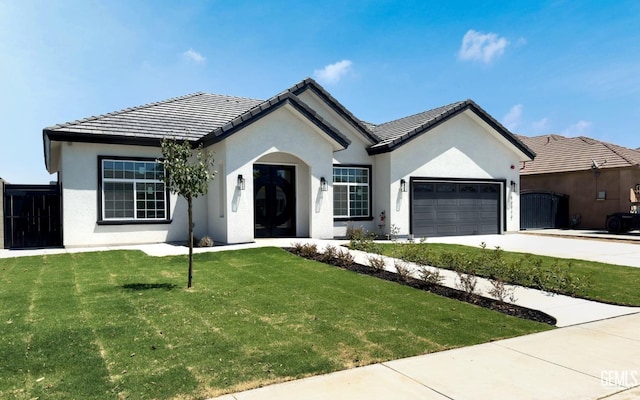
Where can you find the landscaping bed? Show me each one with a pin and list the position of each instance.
(472, 298)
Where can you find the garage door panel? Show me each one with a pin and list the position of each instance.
(454, 208)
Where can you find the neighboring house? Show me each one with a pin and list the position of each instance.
(596, 176)
(296, 165)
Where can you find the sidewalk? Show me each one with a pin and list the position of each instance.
(599, 360)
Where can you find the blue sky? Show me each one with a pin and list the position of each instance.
(539, 67)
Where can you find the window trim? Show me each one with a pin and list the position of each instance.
(102, 221)
(358, 218)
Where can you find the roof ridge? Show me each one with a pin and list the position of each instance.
(612, 147)
(333, 103)
(125, 110)
(448, 106)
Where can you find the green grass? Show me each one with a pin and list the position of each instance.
(120, 324)
(607, 283)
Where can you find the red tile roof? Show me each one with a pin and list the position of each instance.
(556, 153)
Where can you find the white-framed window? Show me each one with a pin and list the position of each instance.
(351, 192)
(132, 190)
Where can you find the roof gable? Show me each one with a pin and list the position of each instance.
(556, 153)
(335, 105)
(396, 133)
(268, 106)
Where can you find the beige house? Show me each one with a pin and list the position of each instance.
(598, 177)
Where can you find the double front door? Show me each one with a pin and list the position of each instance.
(274, 197)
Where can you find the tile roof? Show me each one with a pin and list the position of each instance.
(198, 117)
(187, 117)
(208, 118)
(556, 153)
(395, 133)
(402, 128)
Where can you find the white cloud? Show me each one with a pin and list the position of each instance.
(194, 56)
(580, 128)
(541, 126)
(484, 47)
(332, 73)
(513, 118)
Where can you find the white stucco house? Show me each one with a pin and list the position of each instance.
(296, 165)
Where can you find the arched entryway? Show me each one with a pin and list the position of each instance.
(280, 196)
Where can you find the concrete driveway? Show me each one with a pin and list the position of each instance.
(563, 244)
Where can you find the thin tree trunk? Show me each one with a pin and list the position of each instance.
(190, 242)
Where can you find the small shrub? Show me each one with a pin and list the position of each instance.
(344, 258)
(376, 262)
(412, 253)
(394, 231)
(306, 250)
(206, 241)
(431, 276)
(402, 269)
(328, 255)
(361, 239)
(466, 282)
(501, 291)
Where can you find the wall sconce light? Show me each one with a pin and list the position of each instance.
(403, 185)
(324, 186)
(240, 182)
(513, 186)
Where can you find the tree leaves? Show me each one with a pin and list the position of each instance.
(188, 172)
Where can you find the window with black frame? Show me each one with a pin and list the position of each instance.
(351, 192)
(132, 190)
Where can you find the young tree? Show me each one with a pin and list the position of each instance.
(187, 175)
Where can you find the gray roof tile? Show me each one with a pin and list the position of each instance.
(207, 118)
(395, 133)
(187, 117)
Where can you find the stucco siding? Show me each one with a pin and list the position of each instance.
(283, 136)
(458, 148)
(79, 161)
(582, 187)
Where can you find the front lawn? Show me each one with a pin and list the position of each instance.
(121, 324)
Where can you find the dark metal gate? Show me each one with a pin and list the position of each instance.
(540, 210)
(32, 216)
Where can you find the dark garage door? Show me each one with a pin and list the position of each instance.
(454, 208)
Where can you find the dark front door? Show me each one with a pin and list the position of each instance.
(274, 196)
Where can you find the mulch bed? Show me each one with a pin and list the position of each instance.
(505, 308)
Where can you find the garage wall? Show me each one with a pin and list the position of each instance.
(582, 187)
(458, 148)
